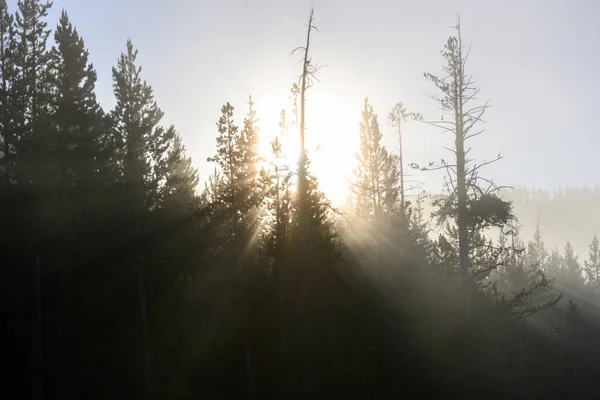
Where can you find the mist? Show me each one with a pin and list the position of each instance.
(299, 199)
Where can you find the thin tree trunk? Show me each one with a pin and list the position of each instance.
(303, 190)
(142, 298)
(303, 201)
(37, 382)
(6, 131)
(461, 187)
(38, 389)
(402, 209)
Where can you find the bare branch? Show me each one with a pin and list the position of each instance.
(296, 49)
(332, 208)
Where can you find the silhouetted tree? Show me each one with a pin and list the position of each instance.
(397, 117)
(571, 269)
(536, 254)
(592, 266)
(375, 185)
(142, 159)
(8, 75)
(31, 101)
(457, 94)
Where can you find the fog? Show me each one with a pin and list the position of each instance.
(276, 199)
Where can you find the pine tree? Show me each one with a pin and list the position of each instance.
(238, 159)
(7, 78)
(592, 266)
(250, 190)
(397, 117)
(375, 186)
(179, 190)
(32, 91)
(249, 143)
(276, 184)
(74, 192)
(78, 128)
(571, 269)
(555, 262)
(30, 103)
(444, 257)
(213, 188)
(142, 166)
(457, 94)
(418, 233)
(142, 142)
(524, 288)
(323, 241)
(229, 158)
(537, 255)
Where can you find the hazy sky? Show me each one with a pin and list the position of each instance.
(538, 61)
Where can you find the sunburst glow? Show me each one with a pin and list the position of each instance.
(331, 141)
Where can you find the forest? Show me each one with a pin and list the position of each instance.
(126, 277)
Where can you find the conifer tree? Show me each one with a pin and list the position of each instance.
(229, 158)
(571, 269)
(73, 187)
(592, 266)
(276, 182)
(249, 168)
(238, 159)
(142, 167)
(30, 103)
(537, 255)
(142, 141)
(418, 233)
(78, 127)
(32, 90)
(555, 261)
(249, 142)
(375, 186)
(444, 257)
(323, 241)
(471, 207)
(397, 117)
(179, 190)
(7, 80)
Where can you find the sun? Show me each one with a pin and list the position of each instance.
(332, 135)
(332, 140)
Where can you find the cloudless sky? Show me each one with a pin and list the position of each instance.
(537, 60)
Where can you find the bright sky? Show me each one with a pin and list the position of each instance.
(538, 61)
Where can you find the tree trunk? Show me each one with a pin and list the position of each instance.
(463, 240)
(142, 299)
(37, 381)
(402, 209)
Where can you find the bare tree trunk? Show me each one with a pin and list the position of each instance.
(300, 297)
(302, 182)
(463, 239)
(142, 299)
(6, 131)
(402, 203)
(37, 384)
(461, 185)
(458, 91)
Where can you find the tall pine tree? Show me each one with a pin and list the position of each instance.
(142, 145)
(592, 266)
(375, 187)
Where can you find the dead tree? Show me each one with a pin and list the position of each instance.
(309, 73)
(458, 92)
(305, 81)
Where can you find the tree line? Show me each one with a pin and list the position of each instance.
(122, 279)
